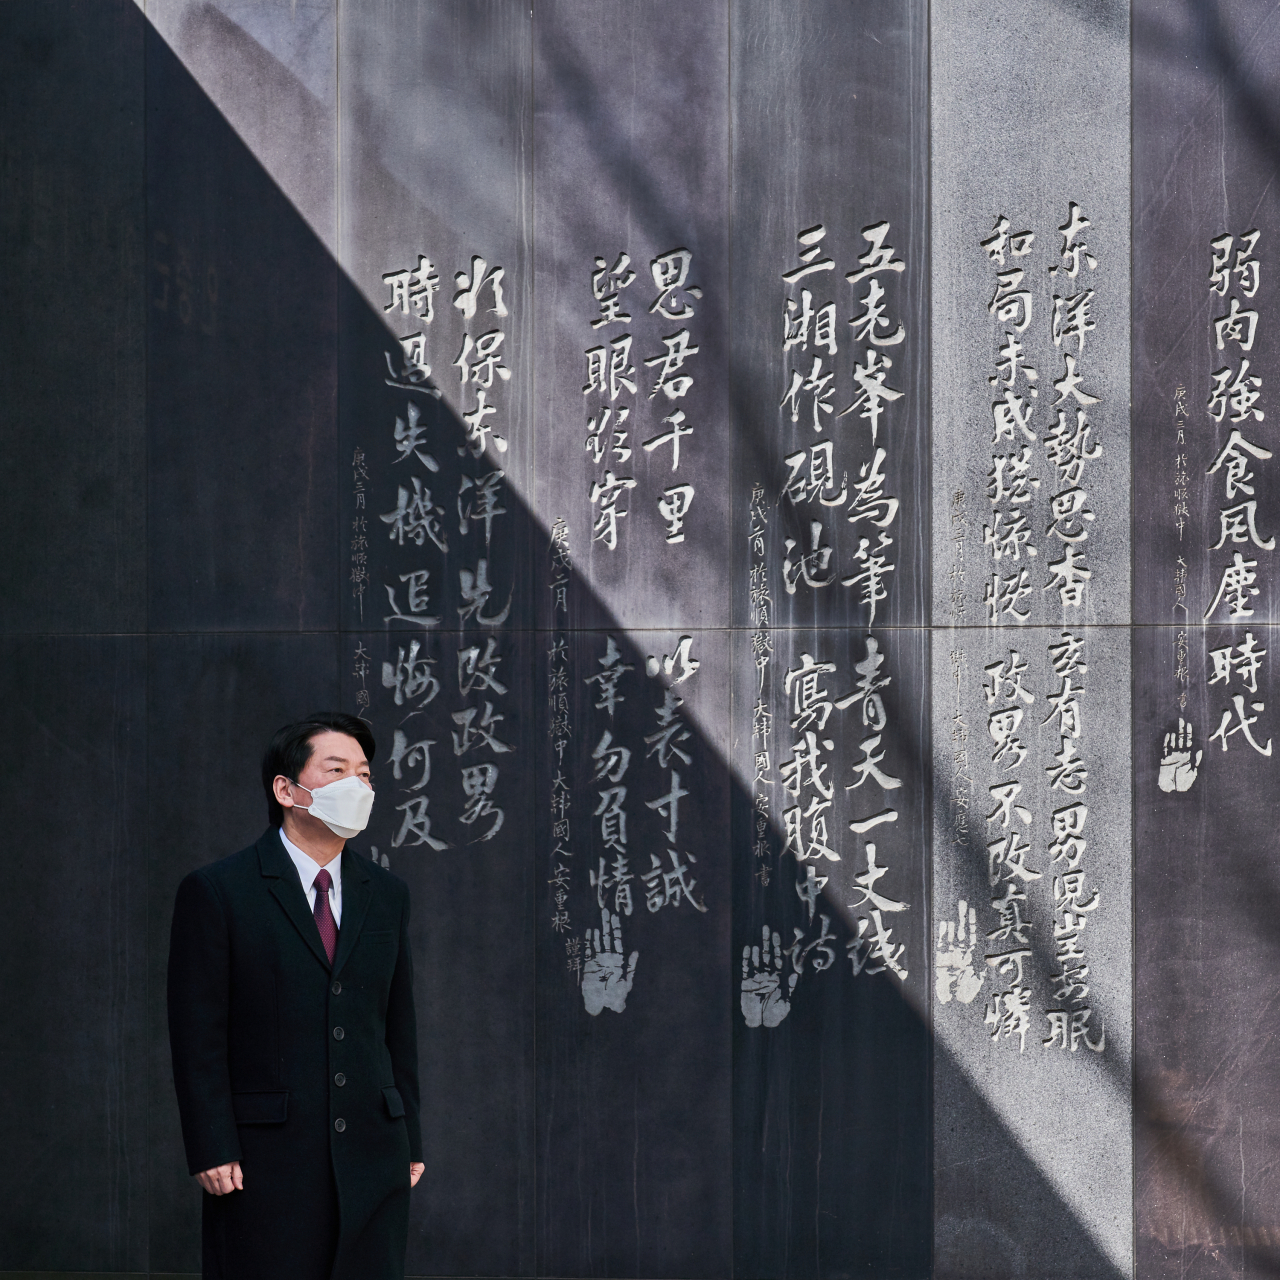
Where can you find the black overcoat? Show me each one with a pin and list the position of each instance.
(305, 1073)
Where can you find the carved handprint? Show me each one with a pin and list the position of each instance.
(762, 1000)
(604, 985)
(1177, 772)
(953, 961)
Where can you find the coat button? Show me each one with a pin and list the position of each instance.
(338, 1033)
(336, 988)
(340, 1124)
(339, 1079)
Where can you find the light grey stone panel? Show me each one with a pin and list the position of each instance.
(1031, 545)
(1030, 117)
(1032, 951)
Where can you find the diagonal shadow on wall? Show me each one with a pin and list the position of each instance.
(843, 1171)
(244, 540)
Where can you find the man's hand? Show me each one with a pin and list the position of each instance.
(415, 1172)
(225, 1178)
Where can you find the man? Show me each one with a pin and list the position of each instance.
(292, 1027)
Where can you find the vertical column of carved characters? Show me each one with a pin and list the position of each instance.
(872, 513)
(1181, 515)
(817, 481)
(1070, 450)
(669, 881)
(1074, 896)
(559, 733)
(1068, 443)
(817, 477)
(611, 377)
(358, 550)
(1011, 488)
(482, 377)
(358, 577)
(818, 720)
(361, 668)
(810, 342)
(419, 532)
(872, 949)
(760, 602)
(1235, 407)
(1010, 951)
(612, 388)
(674, 303)
(417, 520)
(959, 602)
(764, 997)
(608, 973)
(417, 542)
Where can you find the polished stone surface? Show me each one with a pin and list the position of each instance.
(690, 777)
(73, 1070)
(241, 380)
(73, 518)
(1205, 82)
(631, 275)
(1031, 550)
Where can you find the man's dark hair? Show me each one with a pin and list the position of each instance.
(290, 750)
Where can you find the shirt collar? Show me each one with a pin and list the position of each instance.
(308, 867)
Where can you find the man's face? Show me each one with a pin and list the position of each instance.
(333, 756)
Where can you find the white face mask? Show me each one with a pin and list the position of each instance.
(342, 806)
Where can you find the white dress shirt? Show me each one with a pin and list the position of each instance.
(308, 869)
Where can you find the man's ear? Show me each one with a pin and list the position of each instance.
(283, 790)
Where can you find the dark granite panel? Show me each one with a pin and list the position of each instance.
(72, 1073)
(1205, 126)
(832, 1054)
(72, 382)
(436, 374)
(634, 996)
(1206, 77)
(1206, 897)
(830, 141)
(436, 547)
(242, 523)
(436, 535)
(832, 1096)
(214, 702)
(453, 715)
(272, 71)
(631, 219)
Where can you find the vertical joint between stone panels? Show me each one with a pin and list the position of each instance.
(1133, 619)
(145, 817)
(339, 249)
(535, 491)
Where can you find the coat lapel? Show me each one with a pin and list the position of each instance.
(286, 888)
(355, 906)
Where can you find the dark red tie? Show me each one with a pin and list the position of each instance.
(325, 922)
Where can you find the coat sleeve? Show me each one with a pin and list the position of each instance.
(199, 990)
(402, 1034)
